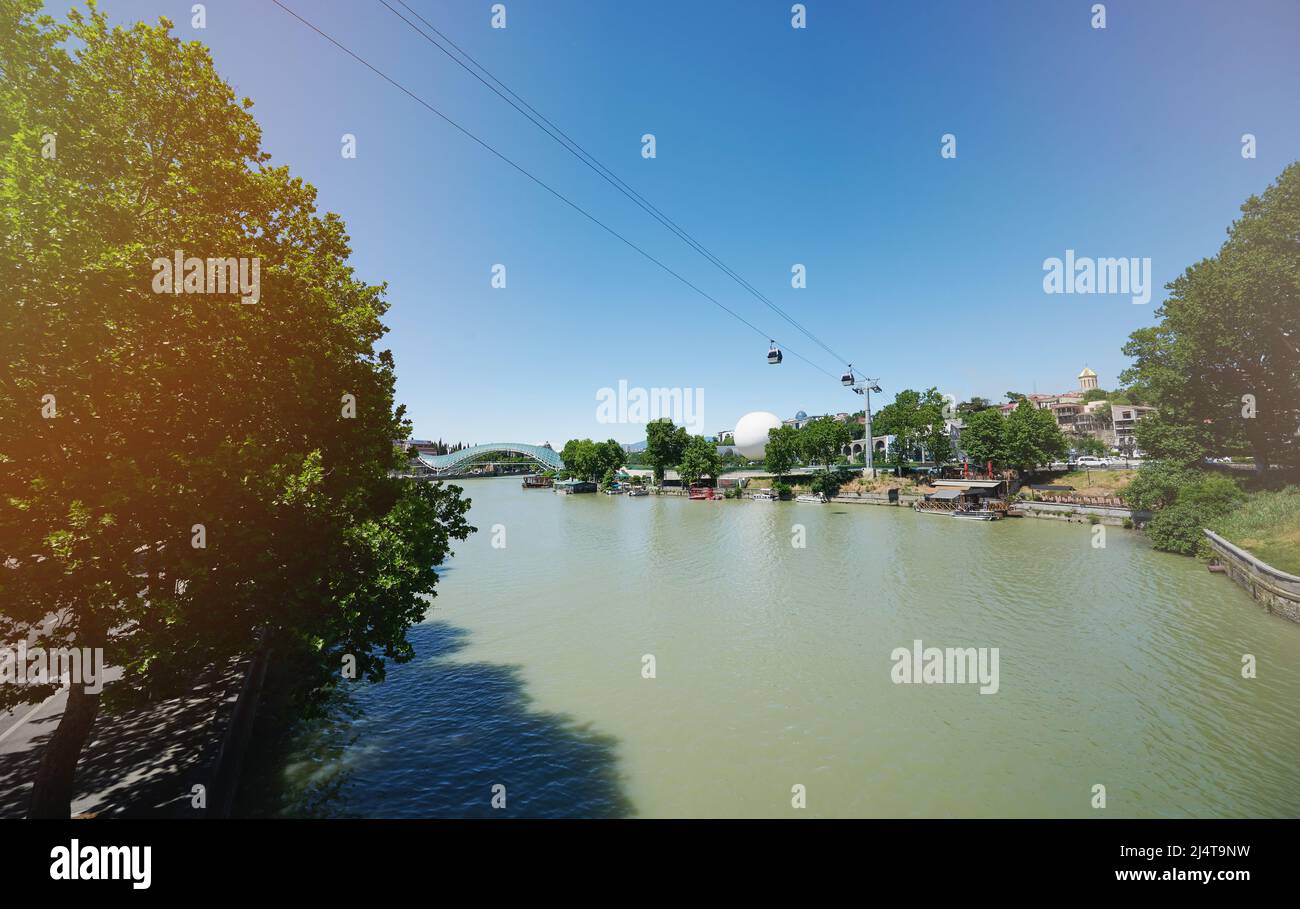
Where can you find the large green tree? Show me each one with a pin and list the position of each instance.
(1030, 437)
(915, 419)
(822, 440)
(181, 470)
(1223, 362)
(664, 445)
(982, 437)
(782, 451)
(591, 461)
(699, 459)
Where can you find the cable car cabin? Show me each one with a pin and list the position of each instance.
(774, 355)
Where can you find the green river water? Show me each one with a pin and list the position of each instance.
(1118, 666)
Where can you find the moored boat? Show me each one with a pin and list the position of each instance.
(968, 500)
(977, 514)
(812, 498)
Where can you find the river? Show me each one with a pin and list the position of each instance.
(1118, 666)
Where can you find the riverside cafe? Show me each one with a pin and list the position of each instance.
(983, 497)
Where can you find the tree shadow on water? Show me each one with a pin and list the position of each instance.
(435, 738)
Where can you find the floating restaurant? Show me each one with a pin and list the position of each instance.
(979, 500)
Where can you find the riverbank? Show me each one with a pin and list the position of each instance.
(1277, 591)
(894, 496)
(1268, 525)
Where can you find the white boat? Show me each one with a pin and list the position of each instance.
(811, 497)
(638, 491)
(977, 514)
(764, 495)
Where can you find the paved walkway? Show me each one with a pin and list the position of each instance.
(142, 763)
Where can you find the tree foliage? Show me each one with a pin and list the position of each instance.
(782, 450)
(916, 419)
(1030, 437)
(1088, 445)
(170, 411)
(664, 445)
(822, 441)
(592, 461)
(974, 405)
(1223, 363)
(1184, 500)
(699, 459)
(981, 437)
(1022, 440)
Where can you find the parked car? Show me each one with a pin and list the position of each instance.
(1090, 461)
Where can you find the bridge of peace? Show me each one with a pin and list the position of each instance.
(457, 463)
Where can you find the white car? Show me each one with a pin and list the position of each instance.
(1090, 461)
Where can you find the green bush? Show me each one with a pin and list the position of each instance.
(1156, 485)
(1185, 501)
(1216, 492)
(782, 490)
(827, 484)
(1179, 527)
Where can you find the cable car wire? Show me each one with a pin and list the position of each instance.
(578, 208)
(573, 147)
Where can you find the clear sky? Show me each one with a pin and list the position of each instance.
(775, 146)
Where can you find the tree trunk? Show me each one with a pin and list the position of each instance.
(52, 792)
(1259, 453)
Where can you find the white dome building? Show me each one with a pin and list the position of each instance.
(751, 433)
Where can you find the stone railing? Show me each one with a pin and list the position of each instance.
(1277, 590)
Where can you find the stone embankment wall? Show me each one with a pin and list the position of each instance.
(1099, 514)
(1277, 591)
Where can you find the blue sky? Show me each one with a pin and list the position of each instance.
(775, 146)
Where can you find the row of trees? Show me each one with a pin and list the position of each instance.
(670, 446)
(1023, 439)
(820, 441)
(443, 448)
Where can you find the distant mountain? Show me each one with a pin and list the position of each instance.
(634, 446)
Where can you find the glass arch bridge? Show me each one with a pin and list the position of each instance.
(457, 461)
